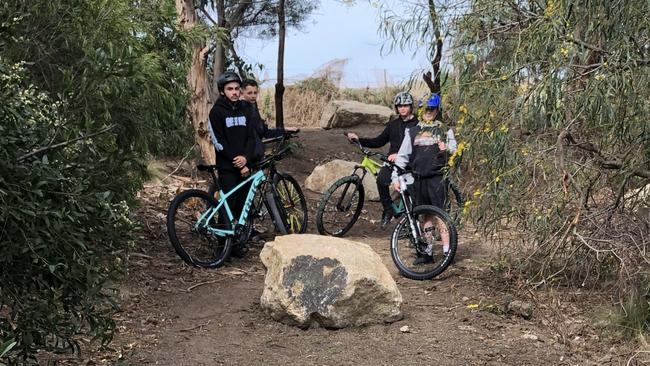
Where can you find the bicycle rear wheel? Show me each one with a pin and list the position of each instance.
(190, 237)
(340, 206)
(292, 200)
(454, 203)
(423, 258)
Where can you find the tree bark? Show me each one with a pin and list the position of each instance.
(434, 85)
(197, 81)
(279, 86)
(219, 64)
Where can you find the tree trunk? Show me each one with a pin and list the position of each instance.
(220, 50)
(434, 85)
(279, 85)
(197, 81)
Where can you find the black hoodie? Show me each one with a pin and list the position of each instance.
(233, 125)
(393, 133)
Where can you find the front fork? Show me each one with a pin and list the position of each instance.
(339, 204)
(416, 234)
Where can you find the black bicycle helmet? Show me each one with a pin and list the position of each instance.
(227, 77)
(403, 98)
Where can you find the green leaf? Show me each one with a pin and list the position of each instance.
(6, 347)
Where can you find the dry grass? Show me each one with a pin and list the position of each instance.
(305, 101)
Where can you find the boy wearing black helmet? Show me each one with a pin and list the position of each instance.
(232, 129)
(426, 149)
(393, 133)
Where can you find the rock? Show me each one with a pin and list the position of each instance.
(405, 329)
(345, 113)
(532, 337)
(314, 280)
(323, 176)
(467, 328)
(519, 308)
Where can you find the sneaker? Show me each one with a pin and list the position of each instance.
(386, 217)
(423, 259)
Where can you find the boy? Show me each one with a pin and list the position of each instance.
(426, 149)
(232, 126)
(393, 133)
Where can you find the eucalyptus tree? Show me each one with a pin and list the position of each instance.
(554, 96)
(420, 26)
(550, 100)
(221, 22)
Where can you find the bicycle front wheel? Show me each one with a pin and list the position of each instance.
(189, 234)
(420, 255)
(340, 206)
(293, 202)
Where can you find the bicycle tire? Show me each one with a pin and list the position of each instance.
(341, 187)
(292, 199)
(211, 251)
(276, 212)
(404, 248)
(212, 191)
(454, 203)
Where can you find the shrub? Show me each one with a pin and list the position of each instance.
(57, 227)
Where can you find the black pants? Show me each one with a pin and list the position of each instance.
(430, 191)
(383, 184)
(228, 180)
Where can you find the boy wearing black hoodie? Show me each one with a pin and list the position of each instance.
(232, 126)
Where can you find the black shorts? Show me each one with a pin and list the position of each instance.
(430, 191)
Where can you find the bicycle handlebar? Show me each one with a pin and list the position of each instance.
(285, 136)
(379, 155)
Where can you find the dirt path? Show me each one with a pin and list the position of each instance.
(175, 315)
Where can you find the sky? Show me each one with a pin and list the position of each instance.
(335, 31)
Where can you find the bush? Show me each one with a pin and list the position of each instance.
(558, 133)
(56, 227)
(82, 112)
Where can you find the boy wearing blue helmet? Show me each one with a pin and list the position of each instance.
(426, 149)
(393, 134)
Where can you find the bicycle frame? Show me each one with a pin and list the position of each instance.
(372, 166)
(415, 229)
(257, 179)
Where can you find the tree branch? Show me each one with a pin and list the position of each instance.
(65, 143)
(609, 162)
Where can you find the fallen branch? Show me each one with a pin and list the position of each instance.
(204, 283)
(140, 255)
(180, 164)
(195, 327)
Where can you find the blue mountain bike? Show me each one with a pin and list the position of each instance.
(202, 228)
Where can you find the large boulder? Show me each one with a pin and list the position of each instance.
(346, 113)
(323, 176)
(314, 280)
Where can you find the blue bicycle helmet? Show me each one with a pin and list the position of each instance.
(433, 101)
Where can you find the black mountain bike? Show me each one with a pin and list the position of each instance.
(416, 242)
(341, 204)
